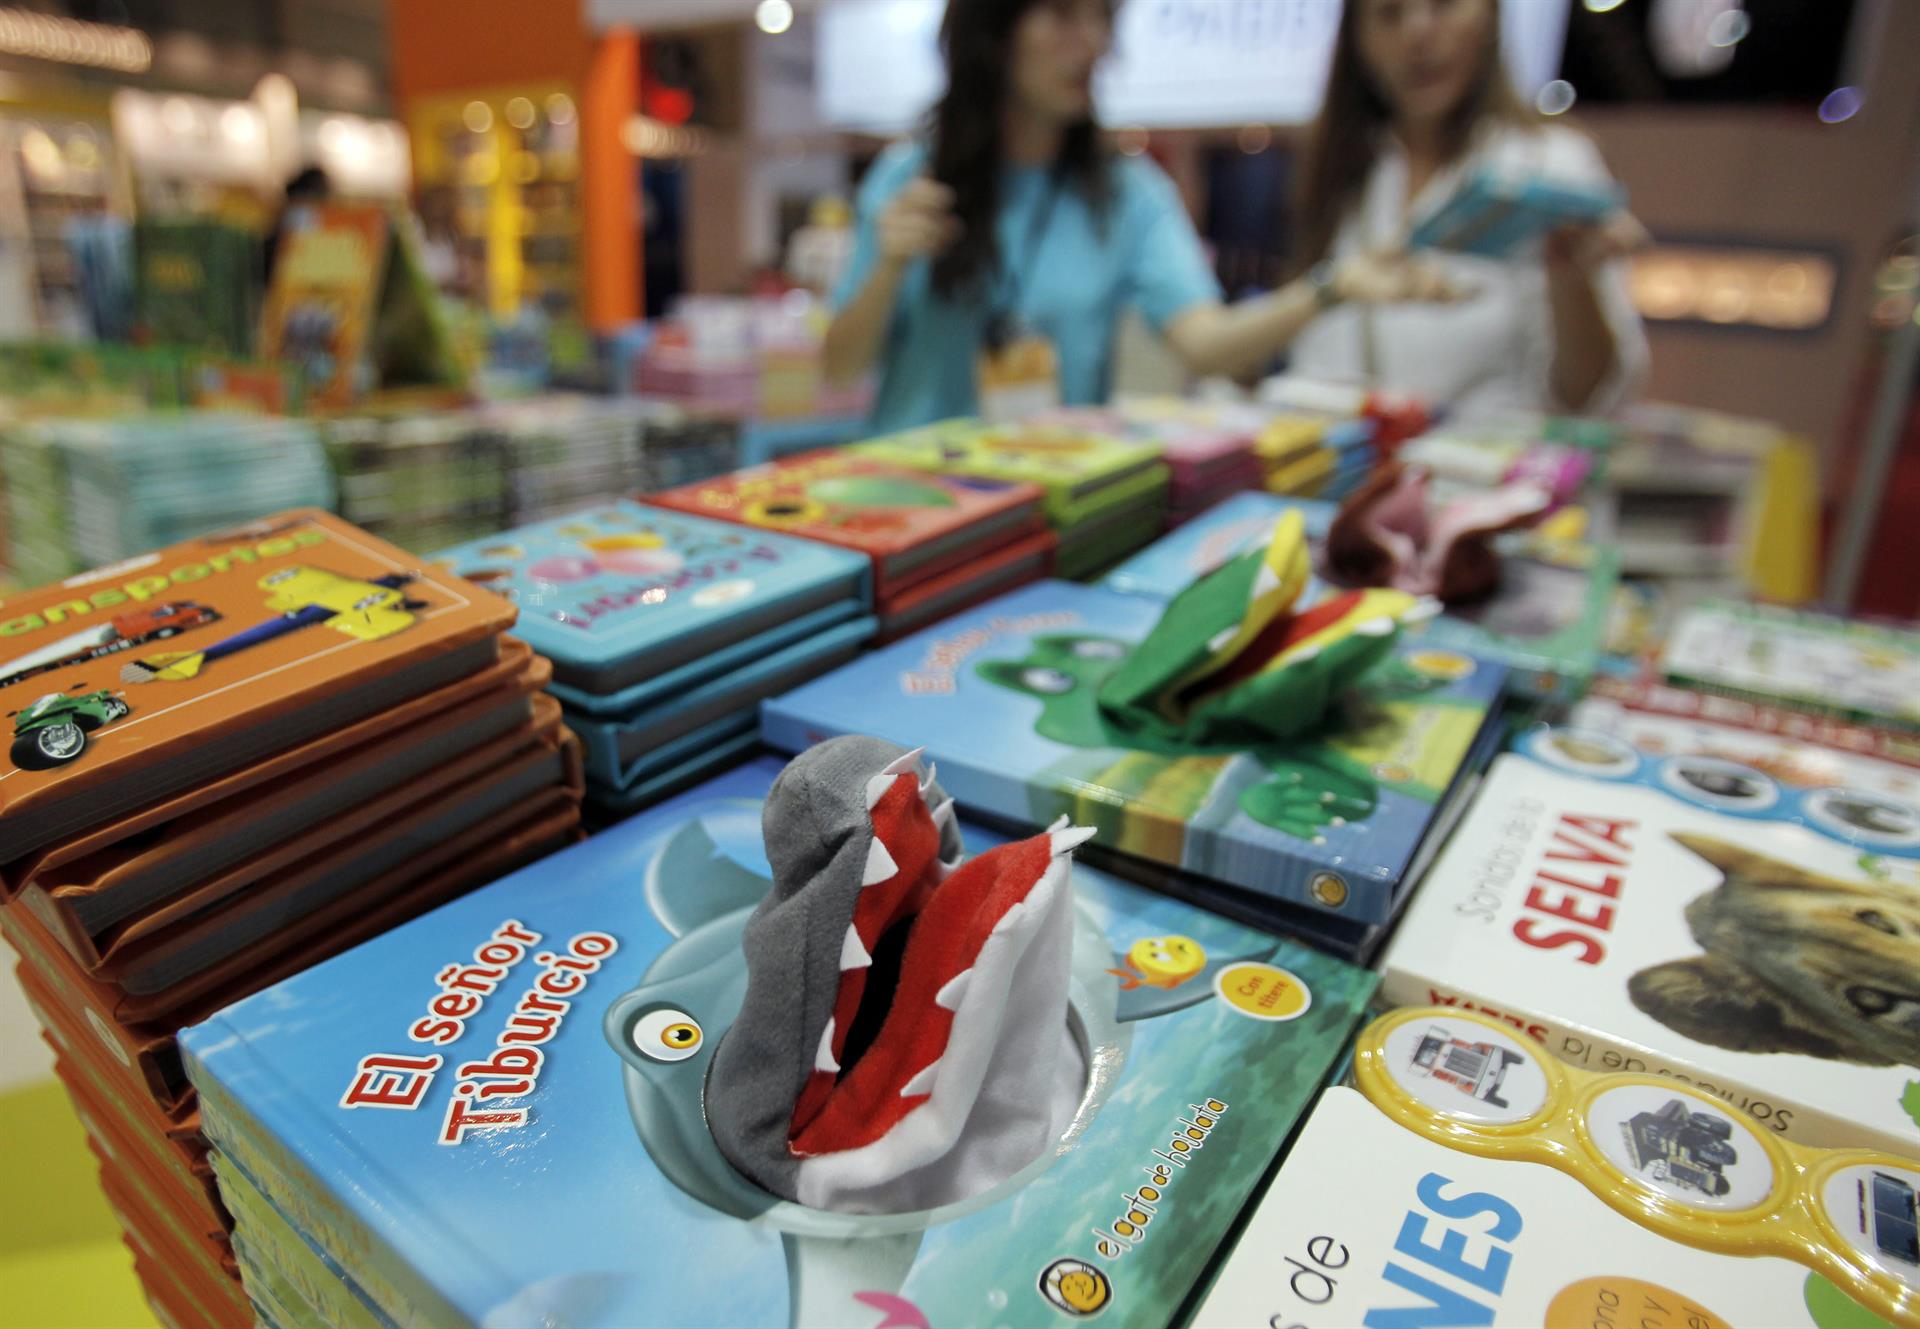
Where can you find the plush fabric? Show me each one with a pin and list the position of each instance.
(1235, 660)
(903, 1042)
(1390, 533)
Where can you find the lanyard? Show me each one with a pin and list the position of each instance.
(1002, 319)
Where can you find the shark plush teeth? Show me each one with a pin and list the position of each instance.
(904, 1040)
(1389, 533)
(1236, 660)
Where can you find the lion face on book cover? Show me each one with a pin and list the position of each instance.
(1794, 962)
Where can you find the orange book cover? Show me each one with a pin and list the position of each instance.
(129, 683)
(913, 524)
(321, 306)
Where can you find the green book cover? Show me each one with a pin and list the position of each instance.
(1077, 468)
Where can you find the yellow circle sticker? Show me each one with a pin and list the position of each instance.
(1623, 1301)
(1441, 664)
(1263, 991)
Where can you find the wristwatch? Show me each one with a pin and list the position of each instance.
(1320, 277)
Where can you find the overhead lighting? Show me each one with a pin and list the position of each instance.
(773, 16)
(477, 116)
(1555, 97)
(1604, 6)
(1728, 27)
(70, 41)
(1840, 104)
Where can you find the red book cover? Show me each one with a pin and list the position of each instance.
(913, 524)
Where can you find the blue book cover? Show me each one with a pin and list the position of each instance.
(623, 752)
(1493, 215)
(1546, 623)
(596, 1195)
(618, 593)
(1003, 698)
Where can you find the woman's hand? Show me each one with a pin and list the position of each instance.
(918, 222)
(1394, 277)
(1582, 249)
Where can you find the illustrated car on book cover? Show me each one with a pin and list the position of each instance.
(123, 632)
(1686, 1147)
(1473, 1068)
(1891, 1218)
(300, 597)
(54, 729)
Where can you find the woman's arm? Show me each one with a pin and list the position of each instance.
(1585, 349)
(1233, 339)
(853, 338)
(917, 222)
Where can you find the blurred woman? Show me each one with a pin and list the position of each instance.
(1003, 246)
(1416, 102)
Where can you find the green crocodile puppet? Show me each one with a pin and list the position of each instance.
(1233, 668)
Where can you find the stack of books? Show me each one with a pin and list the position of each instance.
(1316, 456)
(1701, 888)
(1860, 671)
(93, 492)
(1547, 622)
(1105, 496)
(528, 1161)
(666, 630)
(1321, 837)
(1505, 1189)
(229, 759)
(423, 481)
(937, 543)
(1207, 446)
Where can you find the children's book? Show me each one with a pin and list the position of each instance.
(1547, 621)
(1492, 215)
(1643, 899)
(1003, 698)
(1386, 1219)
(393, 1104)
(1812, 662)
(135, 681)
(1080, 470)
(910, 523)
(621, 593)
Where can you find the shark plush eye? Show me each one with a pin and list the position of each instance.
(1878, 921)
(666, 1034)
(1050, 681)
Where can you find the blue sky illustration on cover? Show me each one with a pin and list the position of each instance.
(572, 1218)
(1164, 568)
(1003, 697)
(611, 583)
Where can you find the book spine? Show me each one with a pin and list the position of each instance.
(1595, 1051)
(273, 1247)
(399, 1292)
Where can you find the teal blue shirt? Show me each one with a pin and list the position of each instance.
(1076, 275)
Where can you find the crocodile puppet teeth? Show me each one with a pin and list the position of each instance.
(1233, 662)
(1388, 533)
(903, 1042)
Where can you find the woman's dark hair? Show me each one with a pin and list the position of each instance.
(1344, 140)
(976, 37)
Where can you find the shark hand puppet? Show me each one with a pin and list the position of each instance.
(1235, 660)
(1389, 533)
(904, 1039)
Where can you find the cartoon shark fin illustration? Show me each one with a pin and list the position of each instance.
(924, 982)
